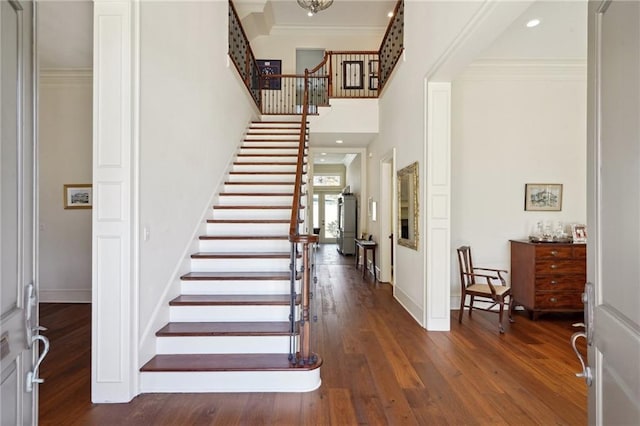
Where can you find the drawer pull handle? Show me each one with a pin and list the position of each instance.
(553, 300)
(554, 282)
(554, 266)
(554, 252)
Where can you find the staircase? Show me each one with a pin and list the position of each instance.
(229, 329)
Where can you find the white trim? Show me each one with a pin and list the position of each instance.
(66, 76)
(65, 296)
(525, 69)
(327, 31)
(437, 196)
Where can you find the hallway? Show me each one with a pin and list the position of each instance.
(379, 367)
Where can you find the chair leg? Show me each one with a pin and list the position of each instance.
(501, 328)
(462, 298)
(471, 305)
(511, 307)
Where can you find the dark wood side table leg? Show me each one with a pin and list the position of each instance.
(375, 277)
(364, 262)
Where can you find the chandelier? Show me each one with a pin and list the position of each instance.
(314, 6)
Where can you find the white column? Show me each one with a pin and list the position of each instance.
(114, 322)
(438, 201)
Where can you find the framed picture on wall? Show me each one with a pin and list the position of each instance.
(543, 197)
(78, 196)
(268, 68)
(352, 75)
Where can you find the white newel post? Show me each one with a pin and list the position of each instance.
(438, 206)
(114, 255)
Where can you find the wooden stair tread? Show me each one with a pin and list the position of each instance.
(242, 255)
(174, 329)
(262, 173)
(247, 221)
(256, 194)
(243, 237)
(264, 163)
(252, 207)
(260, 183)
(267, 155)
(232, 299)
(237, 276)
(224, 362)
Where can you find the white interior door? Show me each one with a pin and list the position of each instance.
(614, 211)
(325, 216)
(18, 301)
(386, 218)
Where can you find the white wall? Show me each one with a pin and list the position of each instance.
(514, 123)
(402, 126)
(65, 147)
(194, 113)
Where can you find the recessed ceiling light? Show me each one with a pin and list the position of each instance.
(390, 14)
(339, 141)
(322, 160)
(533, 23)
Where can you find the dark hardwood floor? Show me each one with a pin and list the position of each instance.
(380, 368)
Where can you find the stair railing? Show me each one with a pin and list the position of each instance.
(300, 353)
(242, 56)
(392, 45)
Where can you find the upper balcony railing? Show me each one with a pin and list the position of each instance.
(342, 74)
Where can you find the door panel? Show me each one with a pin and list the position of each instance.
(16, 211)
(614, 210)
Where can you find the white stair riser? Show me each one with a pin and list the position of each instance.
(276, 214)
(247, 229)
(237, 287)
(259, 188)
(239, 265)
(273, 131)
(261, 150)
(258, 177)
(255, 200)
(231, 381)
(242, 246)
(267, 159)
(269, 134)
(222, 313)
(222, 345)
(280, 143)
(261, 168)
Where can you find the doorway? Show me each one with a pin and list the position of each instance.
(386, 217)
(309, 59)
(325, 216)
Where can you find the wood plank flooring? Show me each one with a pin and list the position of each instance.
(380, 368)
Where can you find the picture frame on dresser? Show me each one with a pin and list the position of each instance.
(579, 233)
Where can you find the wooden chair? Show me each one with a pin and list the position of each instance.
(493, 290)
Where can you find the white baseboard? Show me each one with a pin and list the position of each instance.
(65, 296)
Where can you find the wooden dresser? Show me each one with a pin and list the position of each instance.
(548, 277)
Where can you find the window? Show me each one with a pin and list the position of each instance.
(327, 180)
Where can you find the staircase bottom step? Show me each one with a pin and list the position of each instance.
(227, 373)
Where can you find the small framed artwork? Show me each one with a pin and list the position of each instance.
(373, 67)
(352, 76)
(373, 82)
(579, 233)
(269, 67)
(543, 197)
(78, 196)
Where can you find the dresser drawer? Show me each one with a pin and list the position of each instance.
(554, 252)
(553, 300)
(561, 282)
(560, 266)
(580, 252)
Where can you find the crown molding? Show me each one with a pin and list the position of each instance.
(514, 69)
(66, 76)
(328, 31)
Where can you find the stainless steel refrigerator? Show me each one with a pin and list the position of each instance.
(347, 223)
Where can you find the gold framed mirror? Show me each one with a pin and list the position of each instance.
(408, 208)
